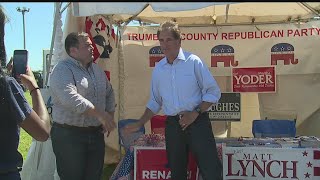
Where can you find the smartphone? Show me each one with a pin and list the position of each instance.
(20, 62)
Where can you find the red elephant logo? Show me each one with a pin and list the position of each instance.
(155, 55)
(283, 52)
(223, 53)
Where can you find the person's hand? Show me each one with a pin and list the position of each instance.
(131, 128)
(187, 119)
(10, 65)
(28, 79)
(107, 122)
(111, 125)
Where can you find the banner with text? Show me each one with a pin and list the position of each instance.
(291, 48)
(271, 163)
(152, 163)
(227, 109)
(255, 79)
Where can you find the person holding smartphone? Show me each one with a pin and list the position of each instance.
(16, 112)
(20, 62)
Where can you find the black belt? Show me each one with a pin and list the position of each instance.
(178, 116)
(85, 129)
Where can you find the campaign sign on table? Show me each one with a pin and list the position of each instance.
(227, 109)
(255, 79)
(151, 163)
(271, 163)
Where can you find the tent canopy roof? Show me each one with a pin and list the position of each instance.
(219, 13)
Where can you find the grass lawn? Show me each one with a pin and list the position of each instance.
(26, 139)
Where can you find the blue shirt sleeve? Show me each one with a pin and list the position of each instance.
(154, 103)
(209, 87)
(20, 107)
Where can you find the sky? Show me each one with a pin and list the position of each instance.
(38, 29)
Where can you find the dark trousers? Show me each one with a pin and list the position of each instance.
(10, 176)
(197, 138)
(79, 155)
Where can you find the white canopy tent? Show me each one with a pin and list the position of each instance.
(296, 98)
(193, 13)
(283, 104)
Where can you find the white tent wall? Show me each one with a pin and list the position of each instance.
(310, 127)
(138, 77)
(285, 103)
(296, 95)
(296, 98)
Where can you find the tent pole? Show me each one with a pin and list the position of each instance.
(65, 7)
(228, 123)
(310, 8)
(227, 13)
(57, 12)
(249, 23)
(134, 16)
(243, 24)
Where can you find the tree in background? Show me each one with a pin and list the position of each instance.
(37, 74)
(38, 77)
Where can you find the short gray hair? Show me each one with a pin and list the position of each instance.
(171, 26)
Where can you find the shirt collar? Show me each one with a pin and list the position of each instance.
(76, 62)
(180, 56)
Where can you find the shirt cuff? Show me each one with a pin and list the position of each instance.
(211, 98)
(153, 106)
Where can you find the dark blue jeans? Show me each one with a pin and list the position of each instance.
(79, 155)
